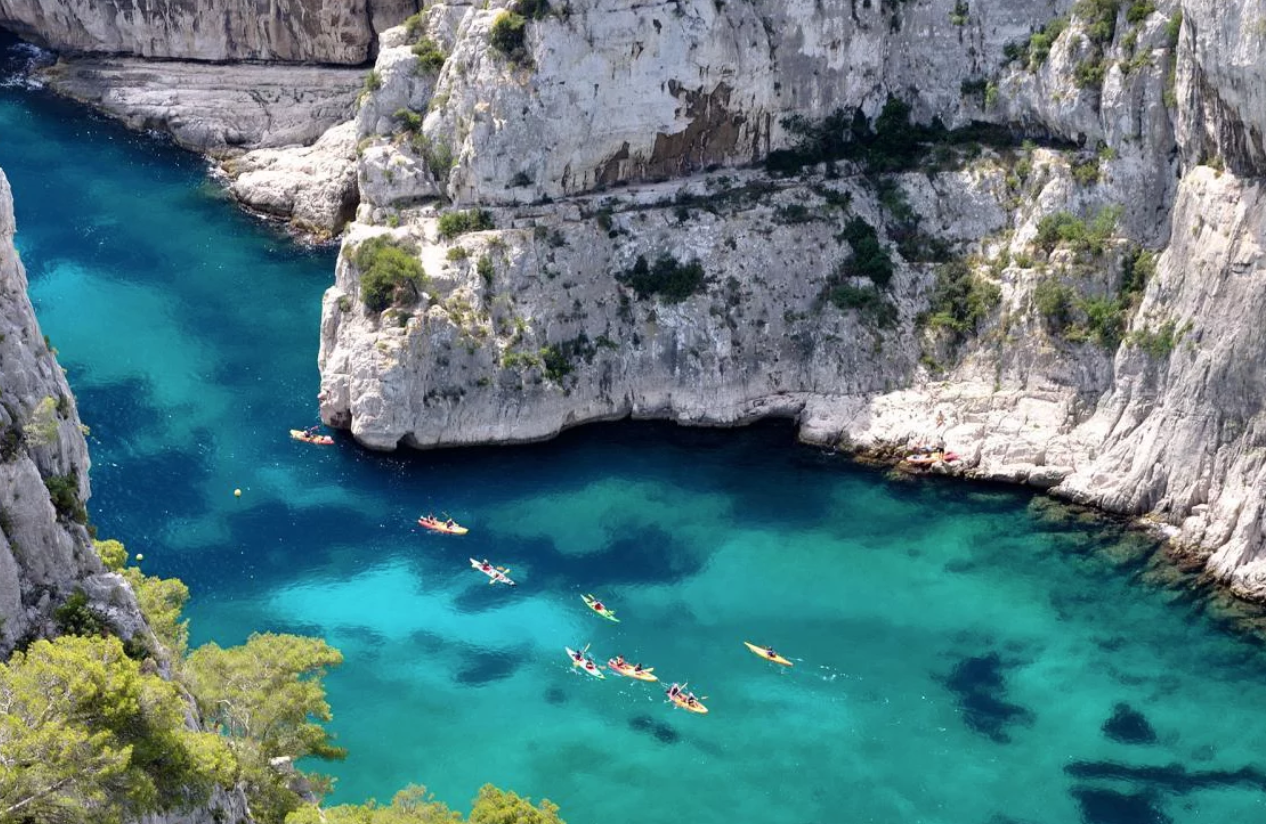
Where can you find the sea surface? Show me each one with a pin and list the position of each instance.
(962, 654)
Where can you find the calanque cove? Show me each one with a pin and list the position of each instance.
(1023, 235)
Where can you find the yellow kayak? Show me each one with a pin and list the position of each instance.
(629, 671)
(436, 525)
(687, 706)
(768, 654)
(600, 608)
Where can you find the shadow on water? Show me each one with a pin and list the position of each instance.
(980, 686)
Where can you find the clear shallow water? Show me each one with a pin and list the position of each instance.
(957, 656)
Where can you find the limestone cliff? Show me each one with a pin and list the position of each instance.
(1081, 314)
(45, 553)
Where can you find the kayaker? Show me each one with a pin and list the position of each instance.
(769, 651)
(636, 667)
(485, 566)
(578, 657)
(449, 523)
(620, 663)
(597, 605)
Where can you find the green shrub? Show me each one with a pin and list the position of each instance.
(867, 301)
(373, 81)
(960, 299)
(869, 259)
(1088, 74)
(75, 617)
(1054, 301)
(508, 33)
(958, 16)
(1065, 227)
(1139, 11)
(1087, 172)
(1137, 268)
(486, 270)
(413, 25)
(437, 154)
(63, 490)
(669, 279)
(388, 273)
(457, 253)
(1040, 42)
(1100, 17)
(1105, 320)
(453, 224)
(1157, 343)
(409, 120)
(531, 9)
(112, 554)
(1173, 28)
(430, 56)
(559, 359)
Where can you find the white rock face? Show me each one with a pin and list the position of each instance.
(221, 110)
(312, 187)
(44, 555)
(317, 31)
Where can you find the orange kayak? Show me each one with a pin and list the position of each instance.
(629, 671)
(436, 525)
(320, 440)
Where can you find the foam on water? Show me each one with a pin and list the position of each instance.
(962, 655)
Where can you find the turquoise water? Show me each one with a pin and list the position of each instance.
(959, 650)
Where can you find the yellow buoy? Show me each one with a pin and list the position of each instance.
(237, 493)
(140, 557)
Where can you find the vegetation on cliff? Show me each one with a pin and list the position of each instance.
(91, 733)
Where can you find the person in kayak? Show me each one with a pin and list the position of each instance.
(485, 566)
(449, 523)
(598, 605)
(674, 692)
(620, 663)
(769, 652)
(636, 667)
(578, 657)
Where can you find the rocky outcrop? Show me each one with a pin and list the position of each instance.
(45, 553)
(307, 31)
(219, 110)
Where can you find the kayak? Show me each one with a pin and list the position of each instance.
(588, 666)
(595, 605)
(320, 440)
(629, 671)
(436, 525)
(494, 575)
(775, 658)
(680, 701)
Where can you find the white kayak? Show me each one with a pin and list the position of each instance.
(583, 663)
(492, 572)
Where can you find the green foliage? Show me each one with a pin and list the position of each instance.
(437, 154)
(1137, 268)
(531, 9)
(991, 95)
(508, 34)
(559, 359)
(1040, 42)
(1088, 74)
(960, 299)
(86, 738)
(414, 25)
(266, 697)
(869, 259)
(75, 617)
(494, 806)
(63, 491)
(452, 224)
(1100, 17)
(373, 81)
(485, 269)
(1086, 173)
(112, 554)
(1065, 227)
(1158, 343)
(1139, 11)
(456, 253)
(430, 56)
(412, 805)
(867, 301)
(1173, 28)
(669, 279)
(1105, 320)
(1054, 301)
(410, 121)
(161, 601)
(41, 429)
(388, 273)
(958, 16)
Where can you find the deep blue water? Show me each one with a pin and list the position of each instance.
(962, 654)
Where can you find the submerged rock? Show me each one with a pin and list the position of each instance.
(1127, 725)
